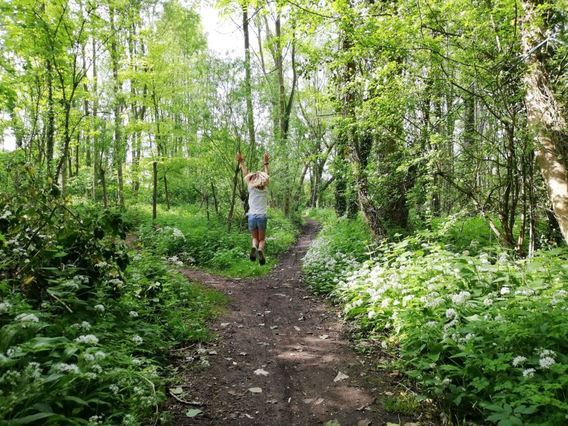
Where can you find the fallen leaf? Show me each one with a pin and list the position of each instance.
(297, 328)
(176, 391)
(225, 324)
(332, 423)
(324, 336)
(318, 401)
(364, 422)
(273, 327)
(193, 412)
(243, 354)
(340, 376)
(248, 416)
(212, 352)
(261, 372)
(255, 390)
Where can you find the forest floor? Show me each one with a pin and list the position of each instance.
(282, 356)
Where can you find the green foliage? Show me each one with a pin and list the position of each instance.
(484, 332)
(85, 326)
(187, 234)
(341, 245)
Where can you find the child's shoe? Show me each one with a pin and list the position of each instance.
(253, 254)
(261, 258)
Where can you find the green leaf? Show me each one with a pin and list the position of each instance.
(193, 412)
(31, 419)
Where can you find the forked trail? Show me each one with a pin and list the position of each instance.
(282, 357)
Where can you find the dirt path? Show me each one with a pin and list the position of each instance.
(278, 338)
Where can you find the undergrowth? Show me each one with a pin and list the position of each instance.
(482, 331)
(86, 325)
(187, 233)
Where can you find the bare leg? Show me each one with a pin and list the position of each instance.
(255, 237)
(254, 245)
(261, 238)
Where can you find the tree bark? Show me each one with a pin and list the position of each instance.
(545, 117)
(248, 87)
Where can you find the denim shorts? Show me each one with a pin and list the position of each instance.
(257, 221)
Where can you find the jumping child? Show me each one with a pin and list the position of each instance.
(257, 183)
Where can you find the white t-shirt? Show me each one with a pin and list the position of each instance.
(258, 200)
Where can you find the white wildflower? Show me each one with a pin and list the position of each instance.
(4, 307)
(518, 360)
(431, 324)
(451, 313)
(99, 308)
(116, 282)
(137, 339)
(67, 368)
(433, 303)
(100, 355)
(487, 301)
(85, 325)
(114, 389)
(177, 233)
(546, 362)
(505, 290)
(371, 314)
(547, 352)
(469, 336)
(27, 318)
(461, 297)
(97, 368)
(133, 314)
(88, 339)
(89, 357)
(529, 372)
(137, 361)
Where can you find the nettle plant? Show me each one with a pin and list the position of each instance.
(486, 333)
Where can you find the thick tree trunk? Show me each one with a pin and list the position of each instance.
(545, 118)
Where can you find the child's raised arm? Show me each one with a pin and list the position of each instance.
(266, 158)
(241, 162)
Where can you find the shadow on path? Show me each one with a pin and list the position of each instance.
(282, 357)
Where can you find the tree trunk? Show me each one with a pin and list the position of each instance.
(50, 130)
(118, 145)
(155, 190)
(248, 88)
(545, 117)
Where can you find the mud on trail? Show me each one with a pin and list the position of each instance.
(282, 357)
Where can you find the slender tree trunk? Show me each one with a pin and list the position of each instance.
(166, 192)
(118, 143)
(545, 117)
(50, 128)
(155, 190)
(248, 88)
(233, 199)
(96, 165)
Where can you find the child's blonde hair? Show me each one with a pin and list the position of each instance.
(257, 179)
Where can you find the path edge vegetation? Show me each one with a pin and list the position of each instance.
(476, 329)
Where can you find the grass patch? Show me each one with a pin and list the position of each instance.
(186, 233)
